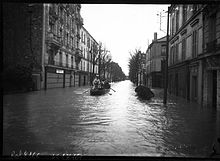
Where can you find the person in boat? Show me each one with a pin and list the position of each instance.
(106, 84)
(96, 82)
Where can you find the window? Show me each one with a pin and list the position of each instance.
(163, 50)
(51, 27)
(176, 53)
(88, 42)
(61, 32)
(60, 58)
(66, 60)
(183, 49)
(71, 61)
(212, 27)
(71, 42)
(195, 44)
(172, 27)
(51, 58)
(177, 19)
(200, 40)
(171, 55)
(81, 36)
(184, 13)
(67, 39)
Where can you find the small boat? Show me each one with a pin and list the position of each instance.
(98, 91)
(144, 92)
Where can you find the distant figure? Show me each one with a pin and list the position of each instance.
(96, 82)
(216, 148)
(144, 92)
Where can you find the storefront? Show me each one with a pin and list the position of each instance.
(179, 80)
(60, 78)
(211, 82)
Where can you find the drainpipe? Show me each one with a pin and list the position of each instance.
(43, 48)
(166, 62)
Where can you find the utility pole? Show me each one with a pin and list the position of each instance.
(161, 16)
(99, 61)
(166, 61)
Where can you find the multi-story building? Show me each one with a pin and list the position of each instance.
(211, 56)
(88, 45)
(194, 31)
(155, 55)
(45, 39)
(62, 54)
(23, 45)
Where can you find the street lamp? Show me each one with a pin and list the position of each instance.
(166, 61)
(161, 16)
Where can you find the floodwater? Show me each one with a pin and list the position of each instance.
(69, 120)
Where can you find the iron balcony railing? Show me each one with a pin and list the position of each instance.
(62, 64)
(54, 39)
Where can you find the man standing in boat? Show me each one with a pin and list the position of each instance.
(96, 82)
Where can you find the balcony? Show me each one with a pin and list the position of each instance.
(53, 41)
(78, 55)
(211, 46)
(53, 14)
(60, 64)
(79, 19)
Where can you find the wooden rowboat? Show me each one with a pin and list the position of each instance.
(98, 91)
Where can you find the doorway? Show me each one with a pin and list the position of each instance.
(84, 80)
(214, 88)
(194, 88)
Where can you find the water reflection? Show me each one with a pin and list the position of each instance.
(70, 121)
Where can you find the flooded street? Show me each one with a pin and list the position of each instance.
(66, 120)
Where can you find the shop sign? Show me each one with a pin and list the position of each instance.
(59, 71)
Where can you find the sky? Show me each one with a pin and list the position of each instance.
(123, 28)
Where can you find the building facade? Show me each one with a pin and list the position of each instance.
(155, 56)
(89, 48)
(190, 30)
(22, 45)
(62, 54)
(211, 56)
(47, 40)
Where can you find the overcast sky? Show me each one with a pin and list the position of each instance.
(124, 27)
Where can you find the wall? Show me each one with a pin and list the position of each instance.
(218, 90)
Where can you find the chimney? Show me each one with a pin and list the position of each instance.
(155, 36)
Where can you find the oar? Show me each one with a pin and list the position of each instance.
(86, 91)
(113, 89)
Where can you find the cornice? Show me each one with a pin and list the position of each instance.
(186, 23)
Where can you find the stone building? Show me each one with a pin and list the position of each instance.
(155, 56)
(89, 48)
(61, 46)
(192, 46)
(211, 56)
(45, 39)
(22, 45)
